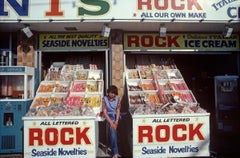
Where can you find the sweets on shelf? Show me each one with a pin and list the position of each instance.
(159, 89)
(69, 90)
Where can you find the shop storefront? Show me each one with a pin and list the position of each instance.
(160, 71)
(163, 53)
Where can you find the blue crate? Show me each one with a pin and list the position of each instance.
(11, 125)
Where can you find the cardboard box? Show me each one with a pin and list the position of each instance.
(25, 58)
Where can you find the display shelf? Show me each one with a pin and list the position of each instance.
(161, 74)
(146, 74)
(95, 75)
(132, 74)
(178, 85)
(41, 100)
(148, 85)
(134, 85)
(69, 108)
(94, 86)
(81, 75)
(46, 87)
(62, 87)
(78, 86)
(85, 91)
(17, 83)
(174, 74)
(67, 68)
(165, 87)
(162, 108)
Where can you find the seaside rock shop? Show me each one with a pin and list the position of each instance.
(176, 64)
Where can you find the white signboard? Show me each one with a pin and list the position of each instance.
(60, 137)
(168, 135)
(80, 10)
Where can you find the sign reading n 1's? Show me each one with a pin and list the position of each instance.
(196, 10)
(53, 8)
(59, 138)
(171, 136)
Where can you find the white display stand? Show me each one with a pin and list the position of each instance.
(60, 137)
(167, 120)
(178, 135)
(59, 123)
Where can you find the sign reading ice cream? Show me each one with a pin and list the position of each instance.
(59, 138)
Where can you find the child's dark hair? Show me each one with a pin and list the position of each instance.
(112, 89)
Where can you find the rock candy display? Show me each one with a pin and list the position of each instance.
(160, 89)
(81, 95)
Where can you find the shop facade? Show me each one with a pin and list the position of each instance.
(73, 33)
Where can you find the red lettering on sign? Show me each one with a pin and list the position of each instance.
(165, 130)
(172, 41)
(164, 4)
(164, 7)
(177, 7)
(147, 3)
(133, 40)
(192, 3)
(51, 132)
(179, 129)
(163, 133)
(152, 41)
(54, 136)
(145, 132)
(195, 131)
(55, 9)
(160, 41)
(64, 134)
(147, 41)
(82, 135)
(35, 134)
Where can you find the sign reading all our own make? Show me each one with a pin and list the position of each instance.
(171, 135)
(59, 138)
(71, 41)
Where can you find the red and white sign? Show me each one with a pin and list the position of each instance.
(60, 137)
(167, 135)
(64, 11)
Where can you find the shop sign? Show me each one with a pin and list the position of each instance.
(171, 136)
(12, 69)
(59, 138)
(71, 41)
(109, 9)
(196, 42)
